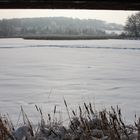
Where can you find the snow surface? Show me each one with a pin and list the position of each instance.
(104, 72)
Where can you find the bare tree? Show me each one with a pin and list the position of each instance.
(132, 26)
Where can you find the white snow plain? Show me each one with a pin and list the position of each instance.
(43, 72)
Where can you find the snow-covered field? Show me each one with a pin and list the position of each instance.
(104, 72)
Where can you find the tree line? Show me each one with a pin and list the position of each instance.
(55, 26)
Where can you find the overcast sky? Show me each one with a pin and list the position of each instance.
(109, 16)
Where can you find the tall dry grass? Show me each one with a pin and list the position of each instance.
(86, 124)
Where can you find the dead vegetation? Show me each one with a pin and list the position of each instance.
(84, 124)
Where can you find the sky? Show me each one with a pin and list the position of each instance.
(119, 16)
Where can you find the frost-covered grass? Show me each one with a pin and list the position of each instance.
(84, 124)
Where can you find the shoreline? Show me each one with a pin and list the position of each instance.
(66, 38)
(72, 37)
(63, 37)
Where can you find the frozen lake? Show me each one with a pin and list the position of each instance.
(104, 72)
